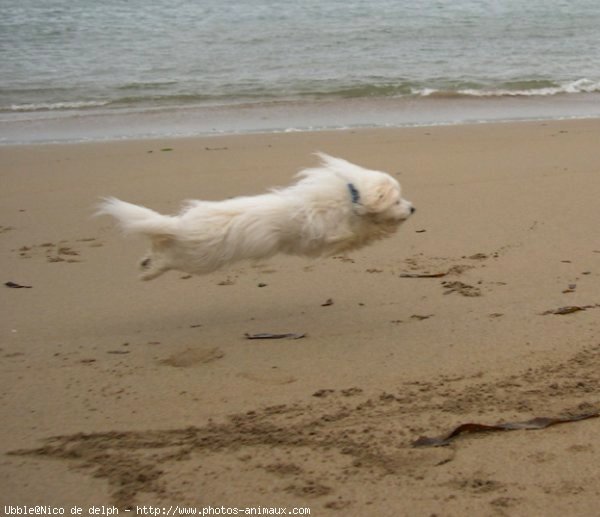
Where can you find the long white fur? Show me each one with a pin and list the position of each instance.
(316, 216)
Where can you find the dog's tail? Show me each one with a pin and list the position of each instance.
(138, 219)
(161, 229)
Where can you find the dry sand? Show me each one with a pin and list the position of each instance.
(119, 392)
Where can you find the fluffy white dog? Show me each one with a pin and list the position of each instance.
(334, 208)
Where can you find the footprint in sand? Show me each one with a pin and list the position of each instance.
(461, 288)
(63, 251)
(268, 377)
(193, 356)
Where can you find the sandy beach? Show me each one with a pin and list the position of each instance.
(483, 309)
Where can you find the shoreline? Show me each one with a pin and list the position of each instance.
(121, 392)
(72, 126)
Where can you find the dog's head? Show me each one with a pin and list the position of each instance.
(381, 196)
(373, 193)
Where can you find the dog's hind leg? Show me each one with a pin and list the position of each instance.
(151, 267)
(156, 262)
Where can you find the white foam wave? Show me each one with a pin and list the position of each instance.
(49, 106)
(578, 86)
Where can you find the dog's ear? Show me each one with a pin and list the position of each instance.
(379, 196)
(336, 164)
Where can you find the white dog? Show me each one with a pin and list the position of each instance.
(331, 209)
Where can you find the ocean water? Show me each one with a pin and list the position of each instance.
(84, 69)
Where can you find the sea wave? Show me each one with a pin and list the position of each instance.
(51, 106)
(516, 89)
(388, 89)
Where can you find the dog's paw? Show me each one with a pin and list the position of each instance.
(145, 263)
(151, 268)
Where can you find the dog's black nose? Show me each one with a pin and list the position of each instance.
(412, 209)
